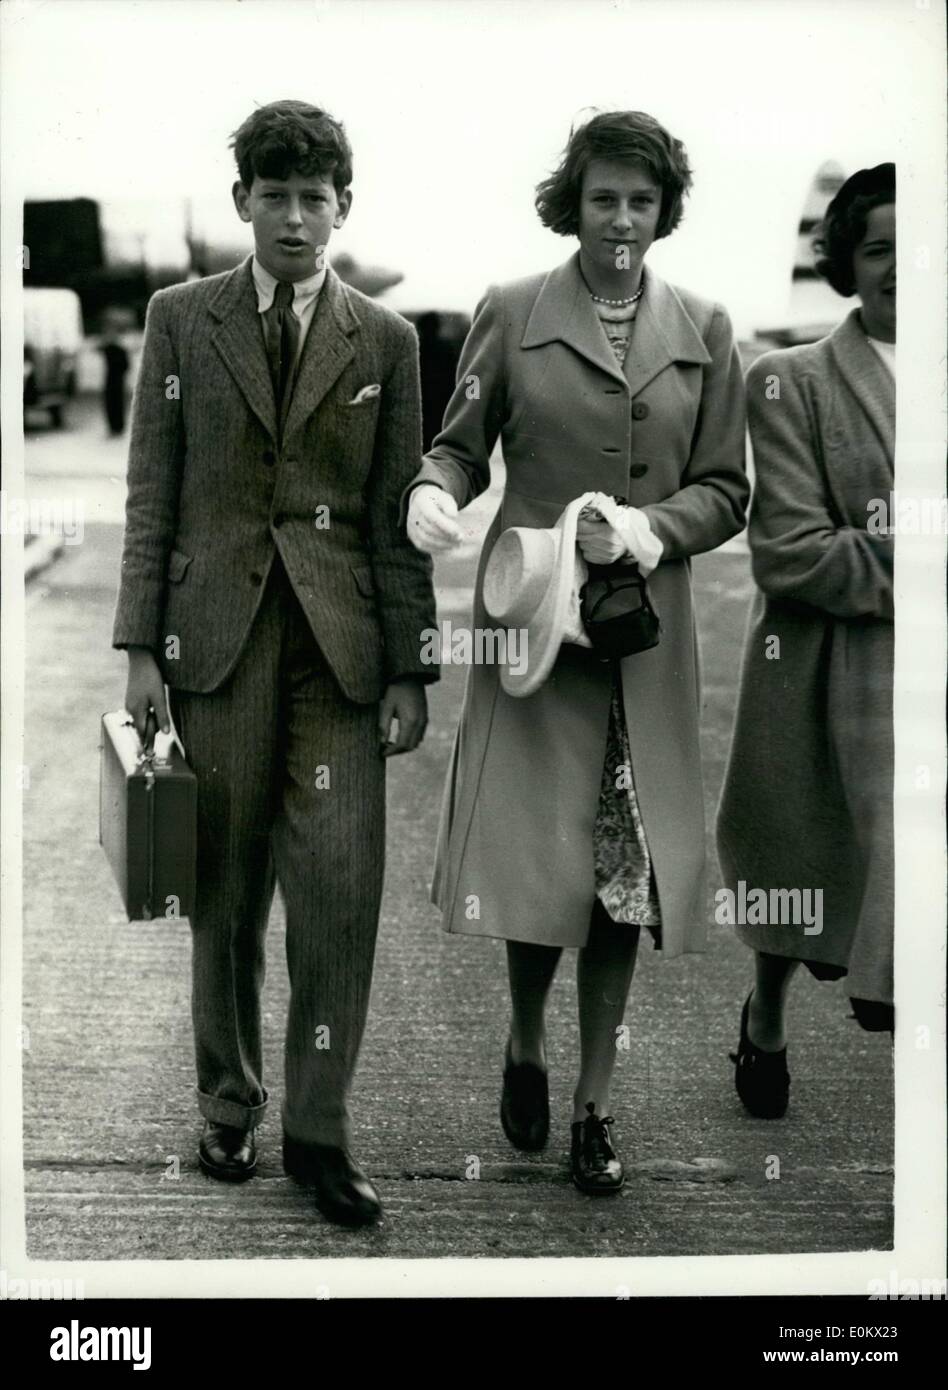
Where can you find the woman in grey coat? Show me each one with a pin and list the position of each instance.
(805, 831)
(597, 377)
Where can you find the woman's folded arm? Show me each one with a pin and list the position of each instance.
(799, 548)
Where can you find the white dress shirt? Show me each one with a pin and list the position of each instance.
(305, 295)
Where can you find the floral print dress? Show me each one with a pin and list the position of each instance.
(625, 881)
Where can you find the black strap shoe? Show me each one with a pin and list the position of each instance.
(525, 1104)
(761, 1078)
(596, 1167)
(343, 1192)
(227, 1153)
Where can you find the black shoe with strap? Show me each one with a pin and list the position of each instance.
(761, 1078)
(525, 1104)
(227, 1153)
(595, 1165)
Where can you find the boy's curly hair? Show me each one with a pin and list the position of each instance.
(292, 137)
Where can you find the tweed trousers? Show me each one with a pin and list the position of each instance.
(291, 793)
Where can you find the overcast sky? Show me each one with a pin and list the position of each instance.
(456, 108)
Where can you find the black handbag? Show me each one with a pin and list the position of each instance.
(617, 612)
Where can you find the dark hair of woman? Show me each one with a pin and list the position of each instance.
(626, 135)
(292, 137)
(844, 224)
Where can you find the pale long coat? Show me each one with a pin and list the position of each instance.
(807, 798)
(515, 857)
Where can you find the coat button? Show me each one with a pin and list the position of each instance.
(256, 579)
(269, 457)
(639, 410)
(279, 519)
(638, 470)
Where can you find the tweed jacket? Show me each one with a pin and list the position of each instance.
(666, 431)
(214, 491)
(807, 796)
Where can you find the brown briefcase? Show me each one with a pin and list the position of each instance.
(147, 821)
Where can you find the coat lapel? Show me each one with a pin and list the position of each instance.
(327, 350)
(663, 331)
(563, 312)
(869, 379)
(239, 340)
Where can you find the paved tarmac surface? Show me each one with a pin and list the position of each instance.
(110, 1125)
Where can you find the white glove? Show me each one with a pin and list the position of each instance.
(607, 532)
(431, 525)
(641, 543)
(599, 543)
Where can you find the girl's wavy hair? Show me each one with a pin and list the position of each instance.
(628, 135)
(844, 224)
(288, 137)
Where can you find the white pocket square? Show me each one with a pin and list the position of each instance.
(368, 393)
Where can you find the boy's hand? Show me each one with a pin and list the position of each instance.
(145, 692)
(431, 525)
(406, 702)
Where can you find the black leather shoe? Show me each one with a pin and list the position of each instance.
(596, 1167)
(227, 1153)
(872, 1016)
(761, 1078)
(525, 1104)
(343, 1191)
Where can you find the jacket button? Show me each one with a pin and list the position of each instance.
(256, 578)
(639, 410)
(279, 519)
(638, 470)
(269, 457)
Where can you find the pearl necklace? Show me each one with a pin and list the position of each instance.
(619, 303)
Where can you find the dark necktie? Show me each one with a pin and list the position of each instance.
(283, 337)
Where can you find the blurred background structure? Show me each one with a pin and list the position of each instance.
(125, 170)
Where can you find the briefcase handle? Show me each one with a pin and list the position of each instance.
(150, 752)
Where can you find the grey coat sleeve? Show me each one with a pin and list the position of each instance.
(403, 576)
(459, 458)
(155, 458)
(799, 549)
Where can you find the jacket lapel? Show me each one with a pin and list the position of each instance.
(869, 379)
(239, 340)
(563, 312)
(326, 352)
(663, 331)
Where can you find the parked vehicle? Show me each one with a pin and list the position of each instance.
(52, 336)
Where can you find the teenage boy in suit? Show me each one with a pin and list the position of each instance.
(277, 421)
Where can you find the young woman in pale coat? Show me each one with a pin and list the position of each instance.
(596, 376)
(807, 798)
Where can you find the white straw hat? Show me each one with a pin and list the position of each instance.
(532, 582)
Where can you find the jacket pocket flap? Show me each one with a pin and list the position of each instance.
(177, 564)
(364, 581)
